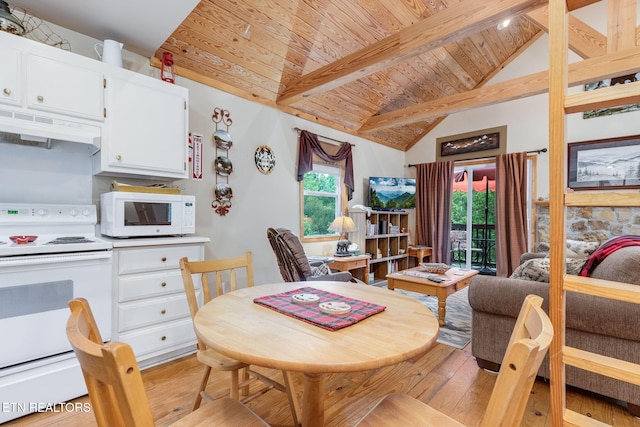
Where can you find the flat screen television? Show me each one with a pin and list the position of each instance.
(392, 193)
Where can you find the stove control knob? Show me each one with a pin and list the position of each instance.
(42, 212)
(86, 212)
(73, 212)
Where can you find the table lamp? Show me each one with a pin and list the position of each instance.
(342, 225)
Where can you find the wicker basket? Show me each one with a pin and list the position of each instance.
(435, 268)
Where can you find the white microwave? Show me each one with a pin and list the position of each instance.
(125, 214)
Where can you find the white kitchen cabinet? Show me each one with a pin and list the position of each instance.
(151, 312)
(145, 128)
(10, 76)
(63, 87)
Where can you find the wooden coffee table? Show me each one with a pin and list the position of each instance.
(414, 279)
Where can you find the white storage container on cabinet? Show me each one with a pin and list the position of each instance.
(151, 311)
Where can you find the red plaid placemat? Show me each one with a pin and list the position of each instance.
(310, 313)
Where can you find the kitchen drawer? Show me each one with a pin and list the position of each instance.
(161, 337)
(151, 312)
(140, 260)
(137, 286)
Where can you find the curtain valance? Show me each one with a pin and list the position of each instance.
(309, 145)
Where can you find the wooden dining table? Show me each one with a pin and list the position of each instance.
(236, 326)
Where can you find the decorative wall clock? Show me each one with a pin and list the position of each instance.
(222, 164)
(265, 159)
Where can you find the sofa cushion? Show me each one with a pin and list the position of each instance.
(622, 265)
(503, 296)
(573, 248)
(537, 269)
(319, 270)
(578, 248)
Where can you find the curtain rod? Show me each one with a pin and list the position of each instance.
(326, 137)
(542, 150)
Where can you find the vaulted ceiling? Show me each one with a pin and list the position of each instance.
(388, 71)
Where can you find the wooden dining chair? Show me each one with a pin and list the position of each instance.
(241, 374)
(115, 386)
(528, 345)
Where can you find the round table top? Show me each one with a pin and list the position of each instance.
(234, 325)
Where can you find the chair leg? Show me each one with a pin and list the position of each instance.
(203, 385)
(290, 391)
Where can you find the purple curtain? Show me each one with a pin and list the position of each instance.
(511, 211)
(309, 145)
(434, 186)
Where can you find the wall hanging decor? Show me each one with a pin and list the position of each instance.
(265, 159)
(471, 145)
(604, 164)
(222, 164)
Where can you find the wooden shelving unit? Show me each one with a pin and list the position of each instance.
(385, 236)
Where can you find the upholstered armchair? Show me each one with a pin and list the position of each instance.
(294, 264)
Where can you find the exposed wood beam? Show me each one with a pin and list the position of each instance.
(621, 25)
(607, 97)
(584, 40)
(589, 70)
(454, 23)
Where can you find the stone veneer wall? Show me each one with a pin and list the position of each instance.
(590, 223)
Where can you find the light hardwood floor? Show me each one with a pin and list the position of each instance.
(446, 378)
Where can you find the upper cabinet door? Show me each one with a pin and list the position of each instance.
(64, 88)
(145, 127)
(10, 76)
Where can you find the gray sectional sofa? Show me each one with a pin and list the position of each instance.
(603, 326)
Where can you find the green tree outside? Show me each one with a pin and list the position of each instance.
(319, 210)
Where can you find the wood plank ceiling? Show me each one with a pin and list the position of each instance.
(347, 63)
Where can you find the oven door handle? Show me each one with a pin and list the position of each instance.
(54, 258)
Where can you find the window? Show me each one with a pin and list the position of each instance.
(322, 196)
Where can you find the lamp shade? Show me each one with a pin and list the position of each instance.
(342, 224)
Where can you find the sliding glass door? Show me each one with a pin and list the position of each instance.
(473, 218)
(473, 214)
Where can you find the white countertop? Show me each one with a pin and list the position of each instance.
(155, 241)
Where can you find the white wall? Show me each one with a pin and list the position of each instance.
(527, 119)
(259, 201)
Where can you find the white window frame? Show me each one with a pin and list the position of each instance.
(339, 195)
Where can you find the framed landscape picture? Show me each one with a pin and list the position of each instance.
(604, 164)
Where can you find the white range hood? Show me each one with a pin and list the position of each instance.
(41, 127)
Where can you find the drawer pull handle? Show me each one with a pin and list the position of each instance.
(163, 284)
(40, 98)
(163, 311)
(164, 259)
(7, 91)
(164, 338)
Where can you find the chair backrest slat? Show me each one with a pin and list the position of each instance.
(528, 345)
(217, 266)
(110, 371)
